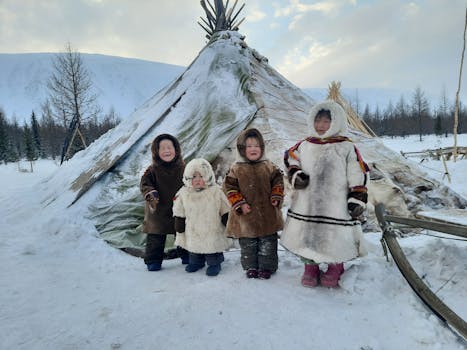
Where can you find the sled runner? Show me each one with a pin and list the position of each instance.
(430, 299)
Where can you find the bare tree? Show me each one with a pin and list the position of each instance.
(71, 96)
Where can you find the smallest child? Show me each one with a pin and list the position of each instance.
(201, 212)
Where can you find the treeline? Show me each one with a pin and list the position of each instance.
(44, 138)
(415, 117)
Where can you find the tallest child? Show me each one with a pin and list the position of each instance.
(329, 179)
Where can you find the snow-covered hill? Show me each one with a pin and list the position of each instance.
(121, 83)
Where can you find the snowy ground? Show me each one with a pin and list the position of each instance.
(64, 288)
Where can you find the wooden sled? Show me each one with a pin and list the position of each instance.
(440, 309)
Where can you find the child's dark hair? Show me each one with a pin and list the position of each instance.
(323, 113)
(252, 133)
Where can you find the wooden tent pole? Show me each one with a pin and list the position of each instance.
(446, 172)
(456, 111)
(81, 137)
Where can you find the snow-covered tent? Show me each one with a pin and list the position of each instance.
(228, 87)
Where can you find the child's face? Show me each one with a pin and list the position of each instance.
(253, 149)
(322, 124)
(197, 181)
(166, 150)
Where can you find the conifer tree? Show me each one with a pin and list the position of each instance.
(17, 139)
(3, 138)
(35, 129)
(29, 145)
(438, 125)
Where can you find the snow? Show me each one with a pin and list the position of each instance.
(435, 169)
(65, 288)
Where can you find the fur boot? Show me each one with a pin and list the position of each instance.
(310, 276)
(331, 277)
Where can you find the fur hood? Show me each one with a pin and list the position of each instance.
(338, 119)
(156, 160)
(241, 144)
(201, 166)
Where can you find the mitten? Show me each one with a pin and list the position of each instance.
(355, 210)
(179, 224)
(300, 180)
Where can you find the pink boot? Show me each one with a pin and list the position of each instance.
(310, 276)
(331, 277)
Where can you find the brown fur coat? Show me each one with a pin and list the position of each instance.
(256, 183)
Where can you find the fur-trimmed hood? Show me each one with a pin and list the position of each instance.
(156, 160)
(201, 166)
(338, 119)
(241, 144)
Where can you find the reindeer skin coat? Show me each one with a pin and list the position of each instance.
(318, 225)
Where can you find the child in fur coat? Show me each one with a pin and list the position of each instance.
(255, 188)
(329, 179)
(159, 183)
(201, 211)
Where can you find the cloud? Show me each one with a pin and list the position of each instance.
(373, 44)
(255, 15)
(153, 30)
(296, 7)
(365, 43)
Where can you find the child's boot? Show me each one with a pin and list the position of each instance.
(310, 276)
(331, 277)
(155, 266)
(193, 267)
(252, 273)
(213, 270)
(264, 274)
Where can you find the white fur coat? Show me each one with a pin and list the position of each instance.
(318, 224)
(202, 209)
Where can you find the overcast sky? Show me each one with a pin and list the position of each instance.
(363, 43)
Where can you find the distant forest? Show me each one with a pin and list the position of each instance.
(44, 137)
(414, 117)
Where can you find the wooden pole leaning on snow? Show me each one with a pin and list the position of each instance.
(446, 172)
(435, 304)
(352, 117)
(456, 110)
